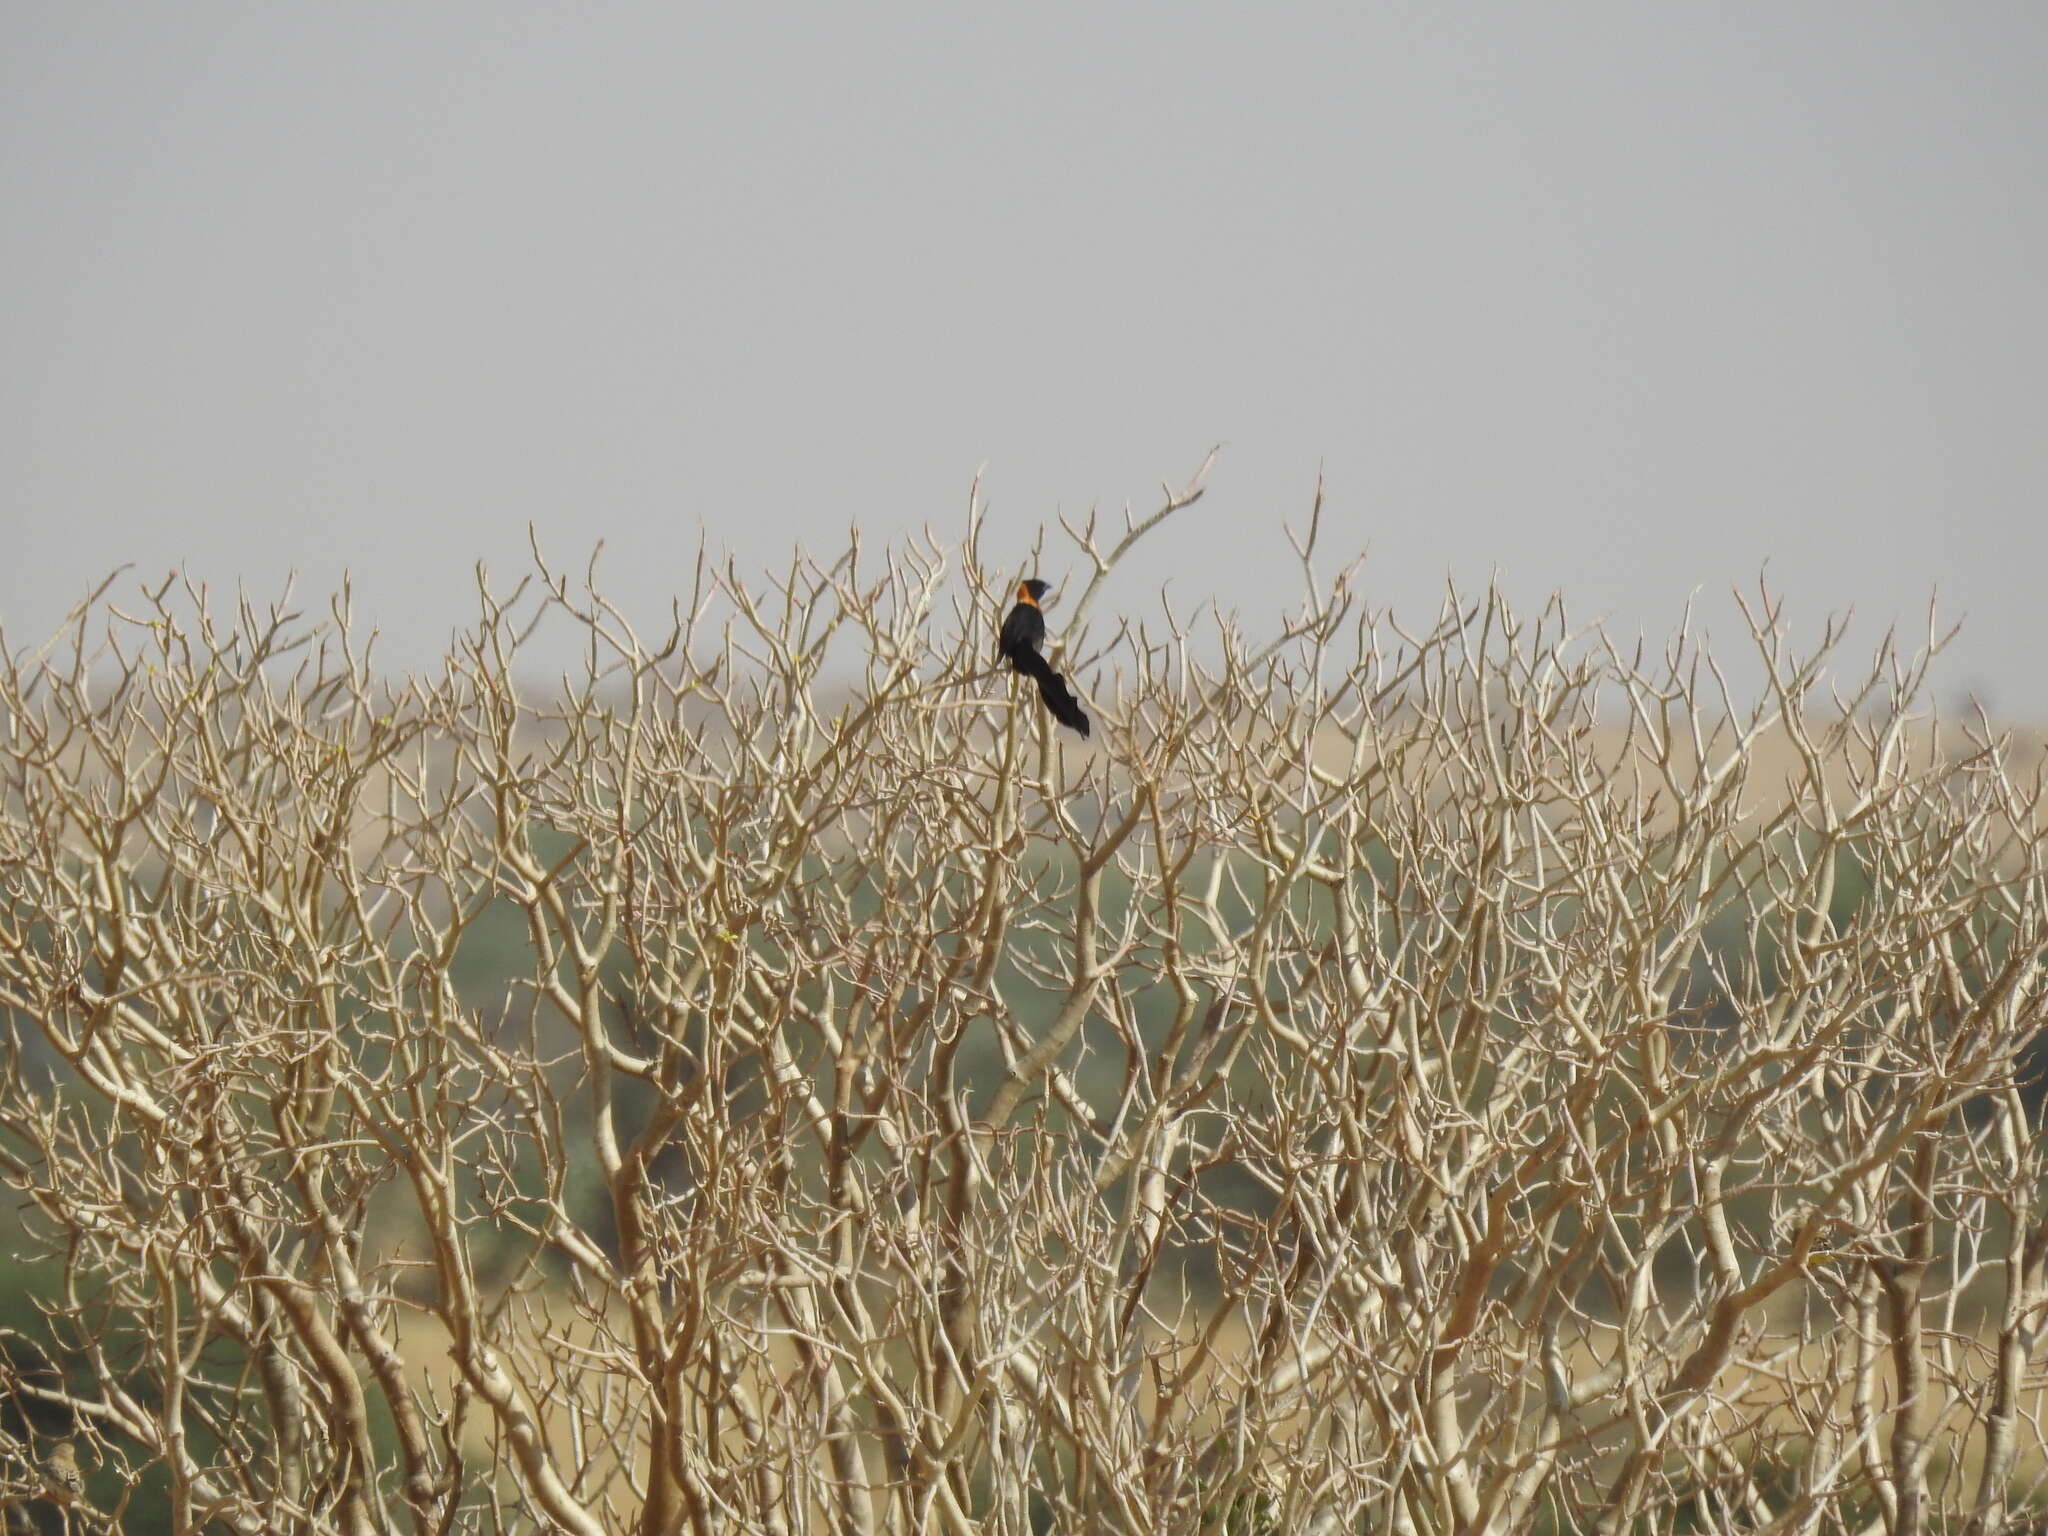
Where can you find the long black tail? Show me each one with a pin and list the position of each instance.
(1053, 689)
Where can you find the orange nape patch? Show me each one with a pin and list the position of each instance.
(1024, 594)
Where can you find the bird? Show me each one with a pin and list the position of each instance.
(1022, 633)
(62, 1480)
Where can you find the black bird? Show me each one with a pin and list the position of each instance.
(1023, 633)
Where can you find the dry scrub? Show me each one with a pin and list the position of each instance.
(1451, 1079)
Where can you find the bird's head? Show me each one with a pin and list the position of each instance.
(1031, 591)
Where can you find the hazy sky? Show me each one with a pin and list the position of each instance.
(1622, 299)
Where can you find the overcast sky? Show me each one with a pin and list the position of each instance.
(1620, 299)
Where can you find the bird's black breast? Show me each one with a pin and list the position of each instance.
(1023, 630)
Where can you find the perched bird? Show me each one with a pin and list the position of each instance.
(1023, 632)
(61, 1477)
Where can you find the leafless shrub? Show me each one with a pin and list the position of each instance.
(1458, 1079)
